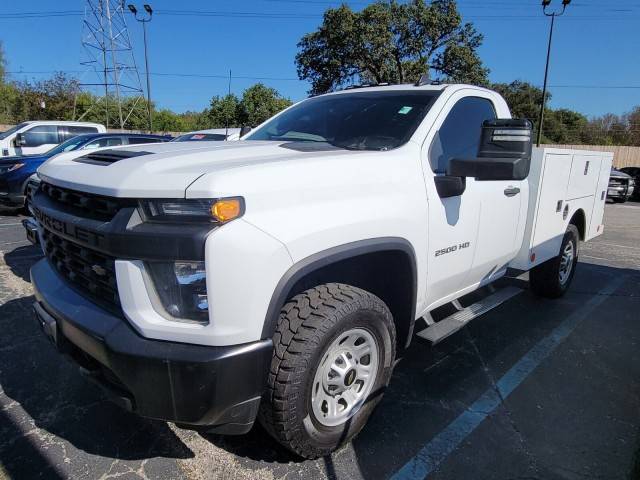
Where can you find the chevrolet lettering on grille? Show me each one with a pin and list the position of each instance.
(81, 234)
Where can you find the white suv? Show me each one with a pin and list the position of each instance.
(30, 138)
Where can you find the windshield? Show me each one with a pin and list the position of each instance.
(7, 133)
(67, 146)
(200, 137)
(379, 120)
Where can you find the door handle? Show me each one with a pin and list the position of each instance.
(511, 191)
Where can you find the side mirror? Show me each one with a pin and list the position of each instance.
(448, 186)
(244, 130)
(504, 153)
(19, 140)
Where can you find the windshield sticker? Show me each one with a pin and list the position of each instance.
(197, 136)
(405, 110)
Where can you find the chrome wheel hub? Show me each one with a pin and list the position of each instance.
(345, 376)
(566, 263)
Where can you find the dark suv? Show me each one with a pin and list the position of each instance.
(634, 172)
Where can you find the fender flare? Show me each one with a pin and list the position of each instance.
(299, 270)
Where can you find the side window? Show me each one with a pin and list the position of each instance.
(459, 135)
(135, 140)
(41, 135)
(104, 142)
(70, 131)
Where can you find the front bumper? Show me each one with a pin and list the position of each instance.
(192, 385)
(9, 199)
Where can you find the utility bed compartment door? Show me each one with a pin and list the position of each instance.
(596, 225)
(549, 224)
(585, 170)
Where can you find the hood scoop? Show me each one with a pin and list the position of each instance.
(107, 157)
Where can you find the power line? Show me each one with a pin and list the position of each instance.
(288, 16)
(266, 77)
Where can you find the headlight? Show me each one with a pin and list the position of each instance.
(182, 289)
(10, 168)
(219, 210)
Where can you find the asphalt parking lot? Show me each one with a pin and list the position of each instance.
(535, 389)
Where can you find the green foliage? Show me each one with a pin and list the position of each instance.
(390, 42)
(224, 111)
(564, 126)
(258, 103)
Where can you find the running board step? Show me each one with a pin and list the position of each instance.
(451, 324)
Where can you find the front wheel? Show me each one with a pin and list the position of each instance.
(334, 349)
(552, 278)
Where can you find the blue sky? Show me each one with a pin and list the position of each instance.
(596, 43)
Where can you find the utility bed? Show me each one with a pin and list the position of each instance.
(559, 177)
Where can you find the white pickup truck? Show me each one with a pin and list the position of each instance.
(282, 276)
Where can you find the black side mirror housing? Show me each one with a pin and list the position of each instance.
(244, 130)
(504, 153)
(19, 140)
(448, 186)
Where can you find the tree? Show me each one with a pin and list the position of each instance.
(259, 103)
(390, 42)
(224, 111)
(523, 99)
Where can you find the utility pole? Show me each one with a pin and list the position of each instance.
(108, 55)
(553, 15)
(226, 128)
(144, 22)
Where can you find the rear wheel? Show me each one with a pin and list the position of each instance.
(552, 278)
(334, 349)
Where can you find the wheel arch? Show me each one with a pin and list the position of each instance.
(385, 267)
(579, 219)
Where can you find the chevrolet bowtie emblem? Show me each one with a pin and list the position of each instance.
(98, 270)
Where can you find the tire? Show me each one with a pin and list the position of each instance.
(327, 327)
(620, 200)
(552, 278)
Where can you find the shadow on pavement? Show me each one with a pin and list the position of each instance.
(433, 385)
(429, 388)
(20, 259)
(45, 402)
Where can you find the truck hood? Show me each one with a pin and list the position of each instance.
(166, 170)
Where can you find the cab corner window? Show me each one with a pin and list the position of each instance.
(459, 134)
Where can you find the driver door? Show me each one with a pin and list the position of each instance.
(472, 235)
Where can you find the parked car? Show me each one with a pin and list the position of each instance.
(16, 171)
(280, 277)
(621, 186)
(210, 135)
(634, 172)
(35, 137)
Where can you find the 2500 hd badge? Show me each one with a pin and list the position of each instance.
(452, 248)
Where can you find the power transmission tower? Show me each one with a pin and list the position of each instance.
(112, 80)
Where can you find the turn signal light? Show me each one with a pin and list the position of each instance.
(227, 209)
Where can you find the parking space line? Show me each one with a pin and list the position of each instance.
(444, 443)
